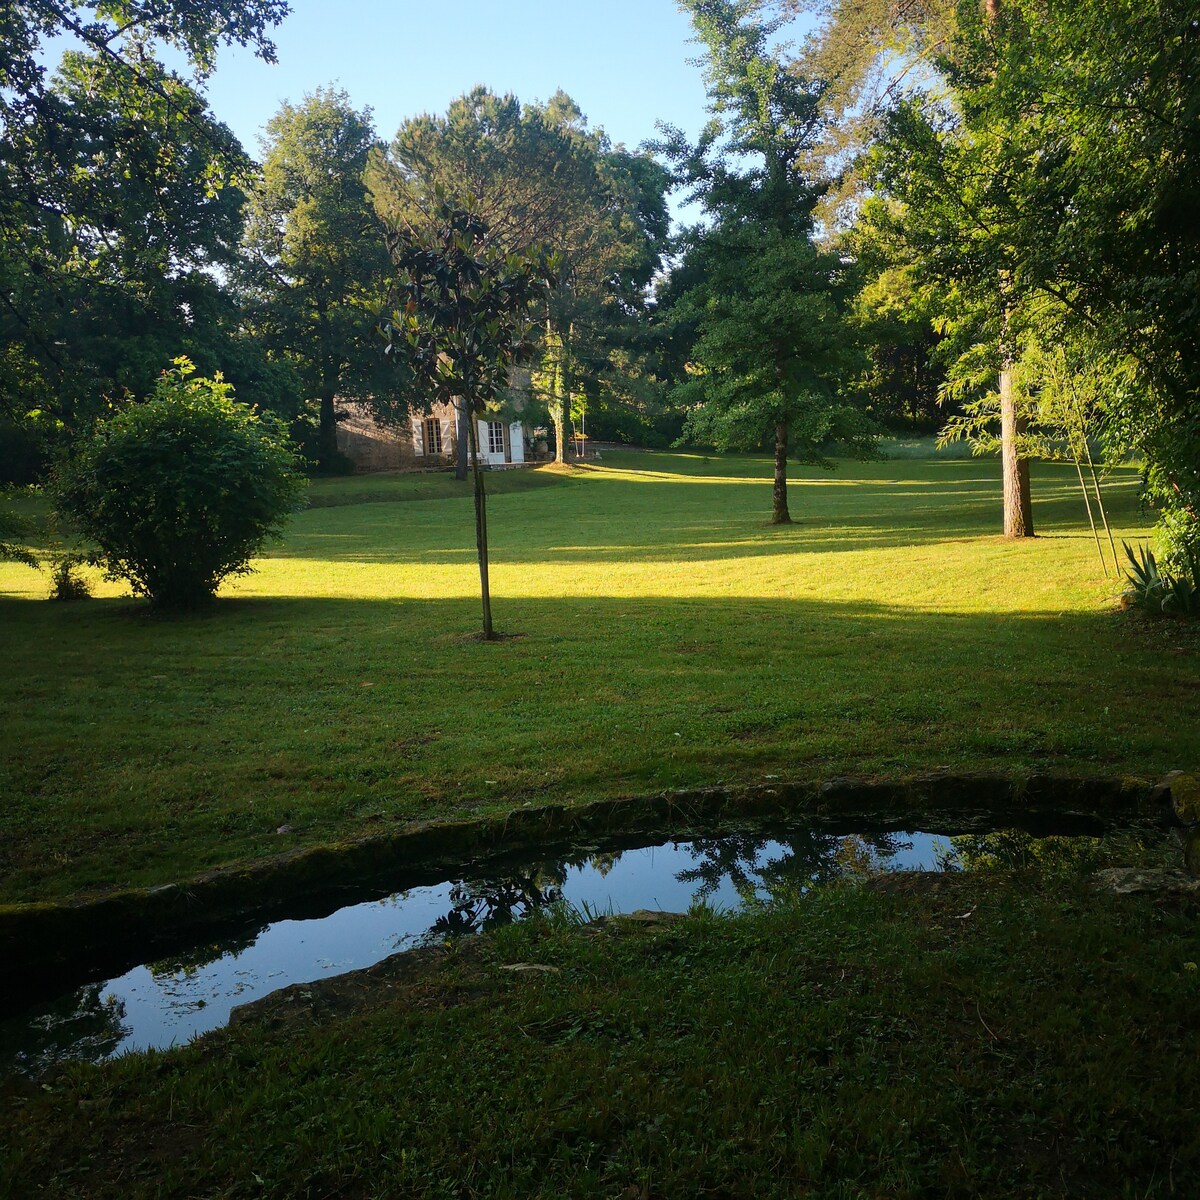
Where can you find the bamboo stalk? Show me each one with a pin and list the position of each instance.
(1091, 519)
(1100, 502)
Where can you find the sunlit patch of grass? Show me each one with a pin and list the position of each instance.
(671, 638)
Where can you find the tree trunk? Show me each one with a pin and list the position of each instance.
(1018, 507)
(481, 537)
(560, 408)
(462, 438)
(560, 435)
(779, 501)
(327, 447)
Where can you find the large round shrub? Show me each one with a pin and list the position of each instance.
(182, 490)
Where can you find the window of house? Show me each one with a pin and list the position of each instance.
(495, 437)
(433, 435)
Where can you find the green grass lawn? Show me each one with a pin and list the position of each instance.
(670, 637)
(990, 1037)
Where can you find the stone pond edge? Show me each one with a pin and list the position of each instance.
(51, 945)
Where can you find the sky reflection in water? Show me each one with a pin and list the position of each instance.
(166, 1003)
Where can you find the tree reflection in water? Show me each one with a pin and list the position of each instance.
(485, 903)
(84, 1024)
(802, 860)
(1014, 850)
(191, 962)
(809, 859)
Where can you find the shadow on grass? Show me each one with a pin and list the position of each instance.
(748, 664)
(138, 750)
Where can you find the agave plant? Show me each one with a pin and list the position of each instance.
(1182, 598)
(1158, 591)
(1145, 584)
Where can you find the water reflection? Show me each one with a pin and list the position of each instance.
(759, 869)
(191, 962)
(483, 904)
(86, 1024)
(172, 999)
(1015, 850)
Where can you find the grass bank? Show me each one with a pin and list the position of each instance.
(971, 1036)
(670, 638)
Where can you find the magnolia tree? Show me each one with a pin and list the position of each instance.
(462, 324)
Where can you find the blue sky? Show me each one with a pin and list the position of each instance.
(623, 61)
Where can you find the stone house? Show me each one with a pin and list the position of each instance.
(423, 441)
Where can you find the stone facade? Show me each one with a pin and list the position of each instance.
(422, 441)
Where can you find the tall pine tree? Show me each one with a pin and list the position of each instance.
(772, 347)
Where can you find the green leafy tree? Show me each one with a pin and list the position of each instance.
(536, 174)
(1100, 105)
(317, 265)
(896, 316)
(13, 534)
(952, 175)
(463, 322)
(1053, 158)
(117, 270)
(117, 199)
(123, 36)
(772, 347)
(181, 491)
(940, 176)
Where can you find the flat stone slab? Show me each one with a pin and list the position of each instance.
(1142, 881)
(648, 918)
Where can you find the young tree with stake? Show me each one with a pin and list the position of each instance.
(461, 324)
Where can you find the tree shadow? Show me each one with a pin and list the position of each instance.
(145, 751)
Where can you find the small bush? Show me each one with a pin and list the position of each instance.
(1177, 540)
(183, 490)
(65, 584)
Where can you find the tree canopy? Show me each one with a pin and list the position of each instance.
(536, 174)
(316, 266)
(119, 206)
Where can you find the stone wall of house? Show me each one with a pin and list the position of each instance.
(420, 442)
(372, 446)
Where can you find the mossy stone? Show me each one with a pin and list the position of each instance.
(1185, 798)
(1191, 852)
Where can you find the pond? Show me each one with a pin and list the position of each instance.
(166, 1002)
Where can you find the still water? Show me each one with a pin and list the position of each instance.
(167, 1002)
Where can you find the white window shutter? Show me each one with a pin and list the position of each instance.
(418, 436)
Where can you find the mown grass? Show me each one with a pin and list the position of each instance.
(987, 1037)
(670, 637)
(389, 486)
